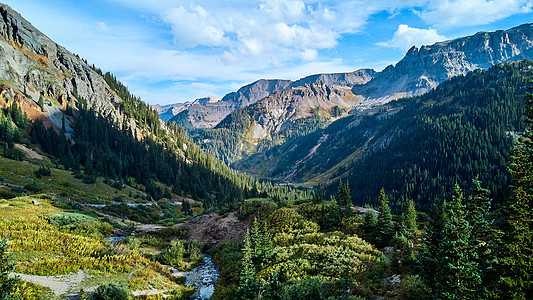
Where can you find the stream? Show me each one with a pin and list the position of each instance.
(203, 278)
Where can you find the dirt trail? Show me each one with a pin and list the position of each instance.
(60, 285)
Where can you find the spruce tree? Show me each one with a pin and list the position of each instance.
(370, 222)
(318, 196)
(459, 276)
(41, 102)
(409, 219)
(429, 259)
(247, 284)
(516, 248)
(384, 226)
(343, 195)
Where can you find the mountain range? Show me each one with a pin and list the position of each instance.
(268, 113)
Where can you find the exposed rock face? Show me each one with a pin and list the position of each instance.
(278, 110)
(33, 63)
(345, 79)
(210, 114)
(167, 112)
(423, 69)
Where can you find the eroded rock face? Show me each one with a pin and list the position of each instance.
(212, 229)
(209, 114)
(33, 63)
(278, 110)
(422, 69)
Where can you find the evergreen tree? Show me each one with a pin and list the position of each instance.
(459, 277)
(247, 285)
(186, 208)
(370, 222)
(261, 244)
(409, 219)
(516, 248)
(41, 102)
(429, 259)
(384, 226)
(7, 265)
(343, 195)
(483, 235)
(318, 196)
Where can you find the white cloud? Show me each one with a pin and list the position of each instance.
(195, 26)
(460, 13)
(233, 42)
(406, 37)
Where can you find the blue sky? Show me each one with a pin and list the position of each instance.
(169, 51)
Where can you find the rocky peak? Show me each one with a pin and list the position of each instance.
(422, 69)
(33, 63)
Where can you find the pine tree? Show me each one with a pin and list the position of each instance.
(516, 248)
(409, 219)
(247, 285)
(7, 265)
(384, 226)
(459, 277)
(318, 196)
(429, 259)
(483, 235)
(343, 195)
(370, 221)
(41, 102)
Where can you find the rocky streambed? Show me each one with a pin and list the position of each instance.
(203, 278)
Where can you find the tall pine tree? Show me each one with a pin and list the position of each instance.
(516, 248)
(384, 226)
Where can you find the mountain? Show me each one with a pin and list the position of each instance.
(208, 115)
(85, 120)
(417, 147)
(167, 112)
(422, 69)
(37, 66)
(299, 109)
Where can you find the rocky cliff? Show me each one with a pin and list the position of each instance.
(208, 115)
(33, 67)
(167, 112)
(422, 69)
(279, 110)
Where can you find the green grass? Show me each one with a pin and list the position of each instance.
(22, 173)
(40, 248)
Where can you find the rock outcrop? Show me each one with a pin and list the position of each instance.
(422, 69)
(210, 114)
(34, 65)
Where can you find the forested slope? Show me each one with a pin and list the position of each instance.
(415, 148)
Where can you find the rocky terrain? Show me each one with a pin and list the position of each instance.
(167, 112)
(209, 114)
(422, 69)
(33, 67)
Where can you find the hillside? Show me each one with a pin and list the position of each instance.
(414, 147)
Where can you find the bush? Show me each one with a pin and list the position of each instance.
(258, 207)
(33, 187)
(42, 171)
(110, 291)
(89, 179)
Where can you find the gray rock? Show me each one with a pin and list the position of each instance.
(422, 69)
(31, 61)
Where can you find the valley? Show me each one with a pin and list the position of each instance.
(413, 182)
